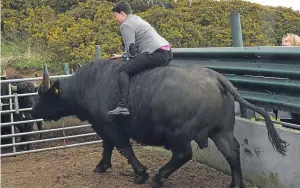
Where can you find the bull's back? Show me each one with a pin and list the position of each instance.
(175, 92)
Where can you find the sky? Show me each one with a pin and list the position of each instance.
(294, 4)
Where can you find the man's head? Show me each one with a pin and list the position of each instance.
(290, 40)
(121, 10)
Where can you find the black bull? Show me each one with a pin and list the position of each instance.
(170, 106)
(24, 102)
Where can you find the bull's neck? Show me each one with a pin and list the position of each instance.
(74, 97)
(67, 96)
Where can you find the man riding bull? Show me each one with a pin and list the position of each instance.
(144, 49)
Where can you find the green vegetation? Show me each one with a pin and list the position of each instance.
(39, 31)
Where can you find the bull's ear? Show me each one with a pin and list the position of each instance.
(56, 87)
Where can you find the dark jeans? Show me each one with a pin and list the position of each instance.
(136, 65)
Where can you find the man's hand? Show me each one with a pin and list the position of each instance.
(116, 56)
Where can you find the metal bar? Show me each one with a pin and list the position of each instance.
(45, 131)
(20, 110)
(16, 103)
(98, 52)
(260, 68)
(246, 67)
(19, 122)
(258, 51)
(293, 84)
(289, 125)
(279, 102)
(19, 95)
(64, 134)
(33, 79)
(286, 87)
(66, 68)
(48, 140)
(51, 148)
(12, 119)
(236, 29)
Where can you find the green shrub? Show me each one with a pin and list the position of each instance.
(69, 33)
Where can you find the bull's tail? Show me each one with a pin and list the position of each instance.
(278, 144)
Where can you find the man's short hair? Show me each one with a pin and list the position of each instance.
(122, 6)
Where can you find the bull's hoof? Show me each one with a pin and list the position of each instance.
(141, 178)
(24, 148)
(102, 167)
(28, 148)
(237, 186)
(157, 182)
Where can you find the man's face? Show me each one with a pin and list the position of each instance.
(286, 42)
(120, 17)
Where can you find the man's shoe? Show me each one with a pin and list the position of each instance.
(119, 110)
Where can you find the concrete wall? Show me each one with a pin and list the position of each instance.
(261, 164)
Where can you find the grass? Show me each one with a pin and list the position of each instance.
(271, 117)
(21, 56)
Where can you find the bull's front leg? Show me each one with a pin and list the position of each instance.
(123, 145)
(108, 146)
(105, 162)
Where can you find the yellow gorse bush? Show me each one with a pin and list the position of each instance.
(71, 35)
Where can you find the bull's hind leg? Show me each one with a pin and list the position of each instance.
(182, 153)
(230, 148)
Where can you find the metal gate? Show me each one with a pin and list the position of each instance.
(14, 109)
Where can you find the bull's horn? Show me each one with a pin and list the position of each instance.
(79, 65)
(46, 81)
(14, 88)
(3, 73)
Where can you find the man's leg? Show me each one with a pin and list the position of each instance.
(122, 107)
(131, 67)
(128, 68)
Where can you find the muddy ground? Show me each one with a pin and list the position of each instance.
(73, 167)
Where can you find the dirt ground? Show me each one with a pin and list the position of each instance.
(73, 167)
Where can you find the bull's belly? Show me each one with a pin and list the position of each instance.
(151, 142)
(144, 130)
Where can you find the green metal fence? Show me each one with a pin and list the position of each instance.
(265, 76)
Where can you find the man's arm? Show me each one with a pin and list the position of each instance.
(128, 36)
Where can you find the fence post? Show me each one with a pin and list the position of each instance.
(98, 52)
(66, 68)
(236, 30)
(16, 102)
(12, 118)
(237, 41)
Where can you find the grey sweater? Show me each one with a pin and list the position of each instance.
(136, 30)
